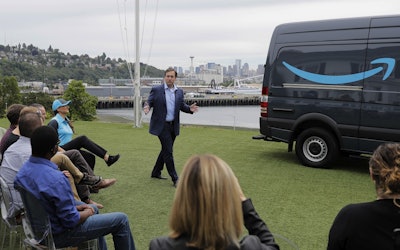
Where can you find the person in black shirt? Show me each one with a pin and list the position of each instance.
(375, 224)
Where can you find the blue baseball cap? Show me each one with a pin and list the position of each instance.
(59, 103)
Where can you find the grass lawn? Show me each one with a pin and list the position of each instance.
(297, 203)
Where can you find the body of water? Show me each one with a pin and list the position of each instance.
(230, 116)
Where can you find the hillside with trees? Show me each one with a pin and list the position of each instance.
(83, 106)
(30, 63)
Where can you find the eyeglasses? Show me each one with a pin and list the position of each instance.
(40, 114)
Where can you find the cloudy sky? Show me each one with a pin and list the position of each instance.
(171, 31)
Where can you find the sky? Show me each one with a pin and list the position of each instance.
(170, 31)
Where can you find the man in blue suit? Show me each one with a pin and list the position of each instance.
(167, 101)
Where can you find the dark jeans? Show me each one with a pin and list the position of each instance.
(167, 139)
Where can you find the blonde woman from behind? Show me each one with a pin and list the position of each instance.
(210, 210)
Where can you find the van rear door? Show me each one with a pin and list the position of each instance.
(380, 112)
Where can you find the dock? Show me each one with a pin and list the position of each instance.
(203, 101)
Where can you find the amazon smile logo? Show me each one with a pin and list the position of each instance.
(343, 79)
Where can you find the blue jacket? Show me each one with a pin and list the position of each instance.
(157, 101)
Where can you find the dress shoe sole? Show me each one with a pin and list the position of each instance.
(105, 185)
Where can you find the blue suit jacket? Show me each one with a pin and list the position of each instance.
(157, 101)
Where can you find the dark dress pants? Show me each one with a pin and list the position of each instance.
(78, 159)
(167, 139)
(85, 143)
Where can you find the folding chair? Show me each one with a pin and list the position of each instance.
(37, 226)
(9, 226)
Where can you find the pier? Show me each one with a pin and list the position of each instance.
(206, 100)
(117, 97)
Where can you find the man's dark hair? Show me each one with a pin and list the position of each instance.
(28, 122)
(169, 70)
(13, 113)
(43, 140)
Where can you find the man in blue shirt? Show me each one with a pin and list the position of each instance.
(72, 222)
(167, 101)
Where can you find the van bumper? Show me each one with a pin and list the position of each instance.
(264, 130)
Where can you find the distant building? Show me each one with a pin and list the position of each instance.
(179, 70)
(33, 85)
(116, 92)
(245, 70)
(214, 75)
(260, 69)
(145, 81)
(238, 64)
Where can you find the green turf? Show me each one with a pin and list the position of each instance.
(297, 203)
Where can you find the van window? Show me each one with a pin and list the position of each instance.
(333, 60)
(324, 60)
(375, 86)
(381, 97)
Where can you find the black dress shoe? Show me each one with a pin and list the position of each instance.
(112, 159)
(159, 177)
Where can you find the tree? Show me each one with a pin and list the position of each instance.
(9, 93)
(83, 105)
(42, 98)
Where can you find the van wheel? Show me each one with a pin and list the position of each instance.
(316, 147)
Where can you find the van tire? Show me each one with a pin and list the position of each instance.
(316, 147)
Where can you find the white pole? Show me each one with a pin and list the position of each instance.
(137, 101)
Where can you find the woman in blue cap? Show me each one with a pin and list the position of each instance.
(65, 130)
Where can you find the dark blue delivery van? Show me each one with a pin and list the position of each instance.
(332, 87)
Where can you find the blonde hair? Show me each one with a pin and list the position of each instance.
(385, 168)
(207, 205)
(29, 109)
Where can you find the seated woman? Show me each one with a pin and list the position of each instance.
(210, 209)
(374, 224)
(65, 130)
